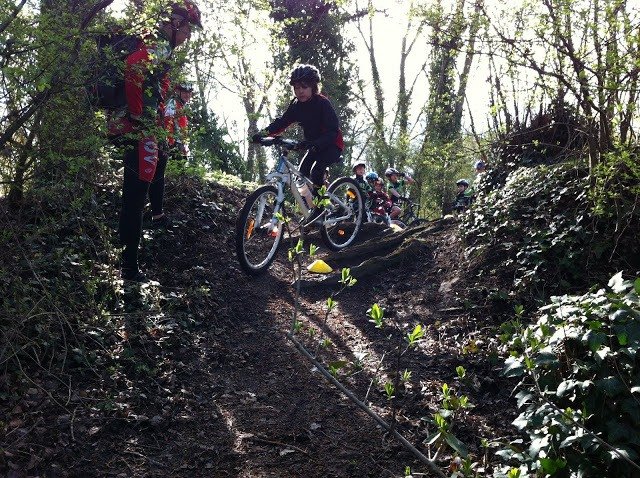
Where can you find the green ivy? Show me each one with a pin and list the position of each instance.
(537, 224)
(580, 380)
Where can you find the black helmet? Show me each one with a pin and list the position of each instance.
(304, 73)
(462, 182)
(391, 171)
(372, 176)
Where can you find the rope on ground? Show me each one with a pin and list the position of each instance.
(417, 453)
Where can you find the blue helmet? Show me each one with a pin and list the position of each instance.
(479, 164)
(462, 182)
(372, 176)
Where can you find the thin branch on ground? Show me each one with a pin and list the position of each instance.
(417, 453)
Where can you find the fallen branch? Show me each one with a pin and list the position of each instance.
(380, 245)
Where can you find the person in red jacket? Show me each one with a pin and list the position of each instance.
(320, 125)
(134, 128)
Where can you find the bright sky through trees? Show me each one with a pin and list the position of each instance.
(389, 25)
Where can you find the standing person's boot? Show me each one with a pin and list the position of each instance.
(130, 270)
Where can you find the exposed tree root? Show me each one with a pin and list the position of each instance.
(377, 255)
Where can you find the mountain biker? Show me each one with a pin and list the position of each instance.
(462, 200)
(397, 188)
(146, 79)
(320, 125)
(480, 168)
(175, 123)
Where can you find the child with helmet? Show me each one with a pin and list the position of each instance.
(462, 200)
(397, 189)
(358, 170)
(380, 202)
(320, 125)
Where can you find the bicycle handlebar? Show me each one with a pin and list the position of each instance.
(290, 144)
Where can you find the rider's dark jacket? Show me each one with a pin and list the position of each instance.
(318, 120)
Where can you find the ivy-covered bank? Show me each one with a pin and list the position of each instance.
(539, 228)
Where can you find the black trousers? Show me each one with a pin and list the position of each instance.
(134, 194)
(315, 163)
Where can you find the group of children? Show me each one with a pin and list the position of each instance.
(381, 201)
(323, 140)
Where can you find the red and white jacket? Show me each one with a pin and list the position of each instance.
(146, 79)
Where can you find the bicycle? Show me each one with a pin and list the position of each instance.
(259, 226)
(409, 217)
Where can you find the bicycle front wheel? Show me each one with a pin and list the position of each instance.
(344, 214)
(258, 230)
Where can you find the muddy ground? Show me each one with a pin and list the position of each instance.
(198, 379)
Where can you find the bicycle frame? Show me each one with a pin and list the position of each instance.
(284, 173)
(408, 212)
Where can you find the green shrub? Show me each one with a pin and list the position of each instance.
(580, 387)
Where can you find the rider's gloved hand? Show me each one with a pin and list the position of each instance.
(258, 136)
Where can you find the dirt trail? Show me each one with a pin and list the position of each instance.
(212, 387)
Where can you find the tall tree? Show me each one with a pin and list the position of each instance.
(388, 142)
(441, 147)
(245, 29)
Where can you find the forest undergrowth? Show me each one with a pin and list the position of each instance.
(200, 352)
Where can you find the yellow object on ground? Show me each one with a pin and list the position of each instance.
(320, 267)
(396, 228)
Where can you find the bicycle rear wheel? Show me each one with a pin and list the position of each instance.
(258, 231)
(344, 214)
